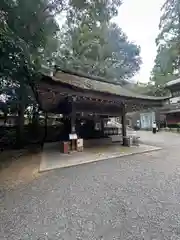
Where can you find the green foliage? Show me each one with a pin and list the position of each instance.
(167, 61)
(88, 41)
(149, 89)
(91, 43)
(25, 29)
(169, 22)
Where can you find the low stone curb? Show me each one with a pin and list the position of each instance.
(153, 148)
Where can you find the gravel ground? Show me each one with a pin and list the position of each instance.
(136, 197)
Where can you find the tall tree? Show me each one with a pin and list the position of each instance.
(167, 62)
(163, 70)
(90, 42)
(168, 40)
(25, 27)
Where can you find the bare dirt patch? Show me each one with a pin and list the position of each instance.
(18, 169)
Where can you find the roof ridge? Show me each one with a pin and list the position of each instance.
(103, 87)
(92, 77)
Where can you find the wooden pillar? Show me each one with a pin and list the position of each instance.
(102, 126)
(73, 116)
(124, 133)
(73, 123)
(45, 129)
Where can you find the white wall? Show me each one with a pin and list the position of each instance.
(147, 119)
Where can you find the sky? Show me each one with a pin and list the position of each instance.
(139, 19)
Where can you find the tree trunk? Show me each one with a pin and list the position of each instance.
(123, 121)
(45, 130)
(20, 121)
(35, 118)
(5, 119)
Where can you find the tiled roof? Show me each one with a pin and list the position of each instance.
(99, 86)
(173, 82)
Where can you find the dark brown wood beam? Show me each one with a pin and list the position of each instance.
(73, 115)
(62, 89)
(124, 132)
(52, 99)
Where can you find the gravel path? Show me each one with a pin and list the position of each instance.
(135, 197)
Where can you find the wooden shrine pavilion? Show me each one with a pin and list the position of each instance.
(76, 95)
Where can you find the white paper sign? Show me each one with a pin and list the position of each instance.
(73, 136)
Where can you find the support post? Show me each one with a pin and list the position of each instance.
(124, 133)
(45, 130)
(73, 123)
(102, 126)
(73, 117)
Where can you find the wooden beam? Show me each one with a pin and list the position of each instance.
(52, 98)
(124, 132)
(45, 130)
(65, 90)
(73, 115)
